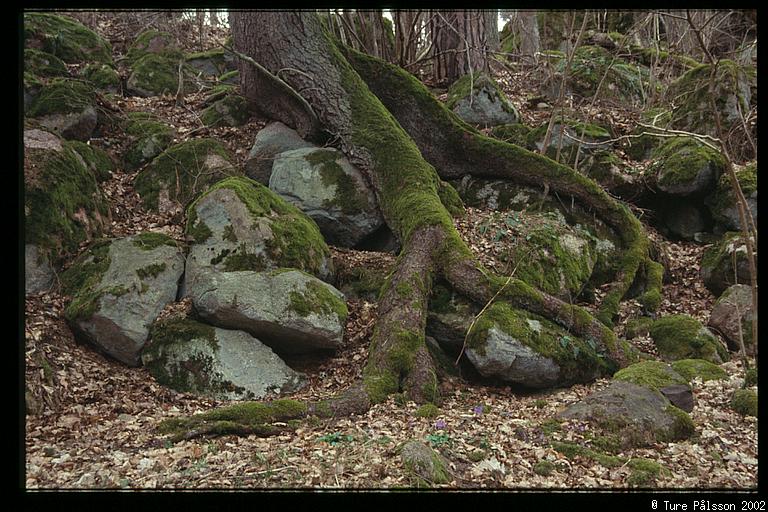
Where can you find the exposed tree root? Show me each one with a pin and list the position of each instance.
(414, 203)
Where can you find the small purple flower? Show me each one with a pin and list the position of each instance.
(478, 409)
(440, 424)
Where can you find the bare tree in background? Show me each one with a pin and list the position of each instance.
(460, 43)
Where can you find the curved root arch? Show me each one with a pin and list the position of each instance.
(408, 189)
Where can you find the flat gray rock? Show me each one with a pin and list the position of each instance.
(38, 273)
(273, 139)
(228, 365)
(288, 310)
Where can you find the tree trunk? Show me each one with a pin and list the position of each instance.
(527, 28)
(410, 195)
(460, 43)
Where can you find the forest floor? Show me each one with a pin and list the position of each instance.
(97, 429)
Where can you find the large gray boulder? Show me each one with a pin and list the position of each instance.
(684, 166)
(192, 357)
(723, 202)
(517, 347)
(288, 310)
(240, 225)
(477, 99)
(324, 185)
(637, 415)
(733, 314)
(273, 139)
(119, 287)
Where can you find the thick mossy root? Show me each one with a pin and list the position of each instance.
(455, 149)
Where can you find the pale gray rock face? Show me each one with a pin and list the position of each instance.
(290, 311)
(135, 288)
(324, 185)
(221, 364)
(38, 273)
(273, 139)
(508, 359)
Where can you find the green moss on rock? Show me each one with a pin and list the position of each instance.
(232, 110)
(103, 76)
(148, 138)
(149, 241)
(680, 160)
(699, 368)
(41, 63)
(183, 171)
(65, 38)
(319, 300)
(96, 159)
(651, 374)
(683, 337)
(744, 402)
(63, 96)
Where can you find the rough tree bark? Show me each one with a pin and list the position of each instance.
(400, 161)
(460, 43)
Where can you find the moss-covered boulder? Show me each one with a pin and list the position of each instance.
(65, 38)
(425, 466)
(634, 415)
(684, 167)
(96, 159)
(156, 74)
(118, 288)
(744, 402)
(212, 62)
(693, 94)
(239, 224)
(63, 204)
(288, 310)
(717, 263)
(732, 317)
(594, 70)
(43, 64)
(102, 76)
(273, 139)
(514, 133)
(572, 140)
(478, 99)
(32, 85)
(660, 377)
(66, 107)
(698, 369)
(683, 337)
(722, 203)
(147, 138)
(152, 41)
(331, 191)
(231, 110)
(522, 348)
(192, 357)
(181, 172)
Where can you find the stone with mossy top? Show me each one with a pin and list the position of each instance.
(155, 74)
(698, 369)
(637, 415)
(192, 357)
(231, 110)
(212, 62)
(660, 377)
(683, 337)
(66, 107)
(288, 310)
(477, 99)
(152, 41)
(718, 262)
(426, 466)
(744, 402)
(102, 76)
(43, 64)
(64, 37)
(523, 348)
(683, 166)
(694, 94)
(147, 138)
(723, 203)
(95, 159)
(181, 172)
(331, 191)
(118, 288)
(573, 140)
(63, 204)
(733, 316)
(239, 224)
